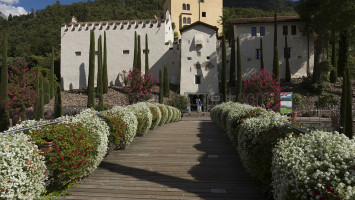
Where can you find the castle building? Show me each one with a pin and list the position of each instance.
(187, 12)
(300, 51)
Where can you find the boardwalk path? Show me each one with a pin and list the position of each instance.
(183, 160)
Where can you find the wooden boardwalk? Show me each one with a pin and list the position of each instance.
(183, 160)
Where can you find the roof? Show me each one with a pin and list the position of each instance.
(265, 20)
(144, 21)
(198, 23)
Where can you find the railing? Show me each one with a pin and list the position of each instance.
(303, 130)
(31, 127)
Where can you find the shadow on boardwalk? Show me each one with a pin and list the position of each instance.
(184, 160)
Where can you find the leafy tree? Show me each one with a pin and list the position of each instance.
(275, 65)
(239, 72)
(161, 88)
(166, 82)
(232, 77)
(139, 54)
(58, 108)
(4, 115)
(288, 72)
(91, 84)
(104, 69)
(146, 54)
(262, 66)
(224, 70)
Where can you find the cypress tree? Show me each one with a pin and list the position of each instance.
(239, 72)
(91, 84)
(40, 105)
(58, 108)
(4, 97)
(99, 68)
(348, 128)
(161, 88)
(232, 77)
(104, 70)
(334, 71)
(288, 72)
(275, 65)
(36, 106)
(46, 91)
(139, 55)
(166, 82)
(224, 70)
(51, 78)
(343, 52)
(146, 55)
(261, 54)
(135, 50)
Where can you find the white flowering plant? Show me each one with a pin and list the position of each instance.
(320, 165)
(170, 114)
(164, 114)
(22, 168)
(217, 111)
(144, 117)
(156, 115)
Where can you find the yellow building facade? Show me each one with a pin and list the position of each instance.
(186, 12)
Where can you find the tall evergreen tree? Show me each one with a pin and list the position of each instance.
(139, 55)
(343, 57)
(91, 84)
(239, 72)
(41, 99)
(104, 69)
(232, 82)
(4, 97)
(161, 88)
(46, 91)
(166, 82)
(37, 102)
(58, 107)
(288, 71)
(224, 70)
(334, 71)
(343, 104)
(135, 60)
(99, 85)
(275, 65)
(261, 54)
(146, 55)
(348, 120)
(51, 77)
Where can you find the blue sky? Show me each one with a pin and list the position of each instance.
(18, 7)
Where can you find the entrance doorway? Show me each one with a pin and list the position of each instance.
(193, 98)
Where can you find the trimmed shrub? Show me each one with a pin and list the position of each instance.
(319, 165)
(179, 102)
(22, 168)
(156, 115)
(175, 114)
(144, 117)
(123, 125)
(164, 114)
(216, 112)
(170, 114)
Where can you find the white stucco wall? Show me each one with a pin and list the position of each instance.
(75, 69)
(209, 76)
(297, 43)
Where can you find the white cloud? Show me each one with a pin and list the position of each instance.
(10, 1)
(13, 10)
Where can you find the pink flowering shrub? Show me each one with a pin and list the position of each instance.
(21, 91)
(262, 90)
(137, 86)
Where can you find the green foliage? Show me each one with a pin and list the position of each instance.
(334, 71)
(40, 109)
(104, 69)
(288, 71)
(239, 72)
(117, 128)
(146, 54)
(333, 75)
(224, 70)
(37, 102)
(58, 107)
(232, 82)
(297, 100)
(102, 107)
(51, 77)
(156, 115)
(267, 5)
(99, 89)
(326, 101)
(4, 116)
(347, 117)
(161, 88)
(275, 65)
(46, 91)
(324, 68)
(164, 114)
(179, 102)
(91, 84)
(316, 88)
(139, 54)
(343, 56)
(166, 82)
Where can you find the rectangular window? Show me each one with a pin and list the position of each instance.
(262, 31)
(125, 52)
(199, 53)
(203, 14)
(197, 79)
(78, 53)
(258, 53)
(285, 30)
(287, 52)
(253, 31)
(293, 30)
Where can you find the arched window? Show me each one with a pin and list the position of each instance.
(184, 6)
(184, 20)
(189, 20)
(188, 7)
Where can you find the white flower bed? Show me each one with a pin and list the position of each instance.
(216, 112)
(144, 117)
(251, 128)
(164, 114)
(156, 115)
(170, 114)
(312, 165)
(22, 168)
(236, 112)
